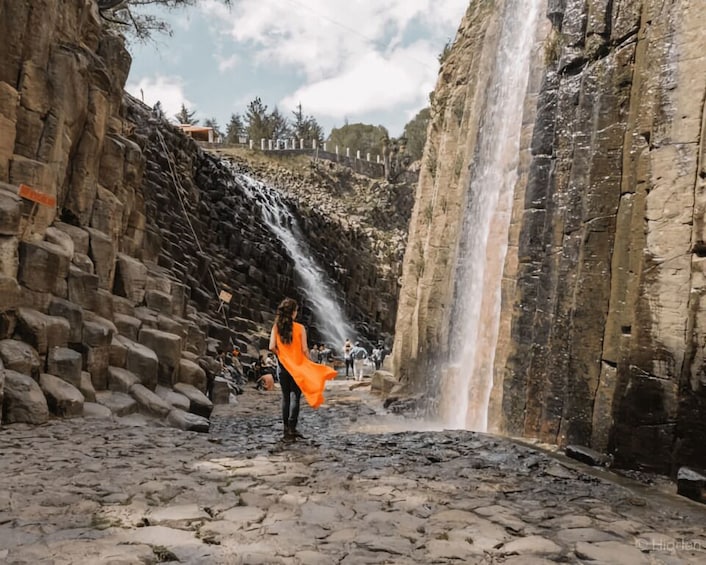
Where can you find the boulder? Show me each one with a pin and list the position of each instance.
(42, 331)
(104, 305)
(9, 256)
(188, 422)
(78, 236)
(23, 401)
(382, 382)
(220, 393)
(173, 398)
(692, 483)
(10, 212)
(159, 301)
(195, 340)
(172, 326)
(95, 410)
(587, 455)
(168, 349)
(73, 313)
(84, 263)
(20, 357)
(120, 380)
(119, 403)
(118, 352)
(66, 364)
(198, 401)
(141, 361)
(63, 399)
(149, 402)
(128, 326)
(83, 288)
(86, 387)
(10, 292)
(102, 251)
(123, 306)
(42, 264)
(61, 239)
(191, 373)
(97, 331)
(130, 278)
(96, 361)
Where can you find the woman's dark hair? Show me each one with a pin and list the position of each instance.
(284, 321)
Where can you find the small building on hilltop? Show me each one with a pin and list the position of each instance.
(200, 133)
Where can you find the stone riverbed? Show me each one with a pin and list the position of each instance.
(364, 488)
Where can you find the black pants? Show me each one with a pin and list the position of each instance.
(291, 396)
(349, 364)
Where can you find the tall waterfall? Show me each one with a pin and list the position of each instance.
(475, 319)
(320, 296)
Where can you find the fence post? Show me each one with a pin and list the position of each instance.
(348, 151)
(251, 143)
(336, 150)
(269, 144)
(262, 143)
(324, 146)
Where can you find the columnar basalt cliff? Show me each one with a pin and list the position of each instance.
(109, 285)
(602, 323)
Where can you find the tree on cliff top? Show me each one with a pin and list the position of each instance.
(306, 128)
(358, 137)
(127, 16)
(186, 116)
(416, 133)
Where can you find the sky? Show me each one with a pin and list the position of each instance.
(368, 61)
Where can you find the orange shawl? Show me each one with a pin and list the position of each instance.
(311, 377)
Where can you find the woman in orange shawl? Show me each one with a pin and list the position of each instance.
(298, 373)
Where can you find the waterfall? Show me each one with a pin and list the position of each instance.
(465, 394)
(320, 297)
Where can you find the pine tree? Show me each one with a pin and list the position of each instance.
(279, 125)
(256, 118)
(186, 116)
(306, 128)
(234, 129)
(213, 124)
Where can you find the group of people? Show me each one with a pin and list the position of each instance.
(355, 355)
(320, 353)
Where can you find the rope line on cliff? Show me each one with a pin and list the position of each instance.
(178, 189)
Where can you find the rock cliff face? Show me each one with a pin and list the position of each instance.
(109, 286)
(601, 338)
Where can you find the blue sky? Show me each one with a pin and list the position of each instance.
(357, 60)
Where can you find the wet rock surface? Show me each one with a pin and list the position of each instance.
(364, 488)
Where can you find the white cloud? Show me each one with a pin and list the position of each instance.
(226, 64)
(168, 90)
(320, 37)
(374, 82)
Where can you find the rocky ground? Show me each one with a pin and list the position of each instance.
(364, 488)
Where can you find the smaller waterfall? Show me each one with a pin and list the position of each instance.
(320, 296)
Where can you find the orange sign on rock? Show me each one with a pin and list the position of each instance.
(42, 198)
